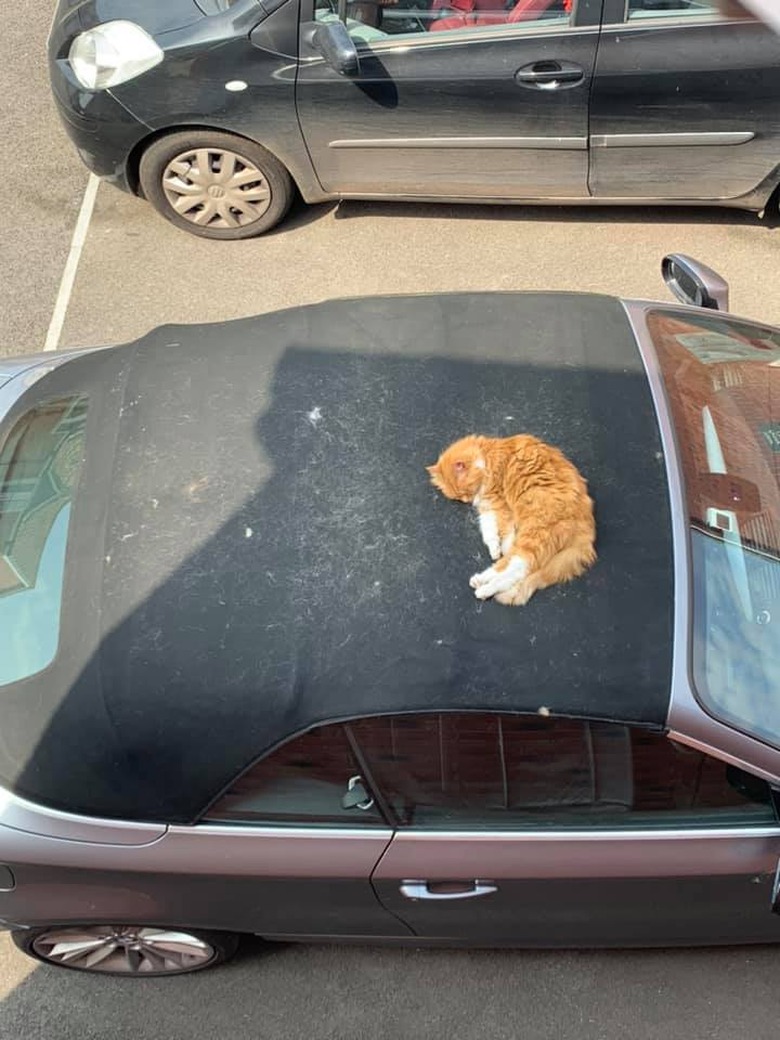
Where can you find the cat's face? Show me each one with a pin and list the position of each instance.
(460, 470)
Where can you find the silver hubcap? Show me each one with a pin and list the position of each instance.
(215, 188)
(129, 949)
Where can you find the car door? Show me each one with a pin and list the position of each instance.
(279, 855)
(685, 103)
(485, 108)
(556, 832)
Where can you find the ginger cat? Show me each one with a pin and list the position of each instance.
(535, 514)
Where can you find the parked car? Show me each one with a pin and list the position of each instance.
(216, 111)
(247, 688)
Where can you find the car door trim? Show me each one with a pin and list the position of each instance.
(462, 37)
(672, 140)
(582, 854)
(342, 852)
(672, 22)
(552, 143)
(202, 849)
(626, 201)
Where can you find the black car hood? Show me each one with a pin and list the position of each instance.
(155, 17)
(256, 547)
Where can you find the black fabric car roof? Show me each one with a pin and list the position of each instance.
(255, 547)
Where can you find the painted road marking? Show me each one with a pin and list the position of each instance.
(71, 264)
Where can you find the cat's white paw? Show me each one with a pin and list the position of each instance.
(479, 579)
(484, 591)
(488, 526)
(494, 548)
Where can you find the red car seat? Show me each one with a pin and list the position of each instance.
(486, 13)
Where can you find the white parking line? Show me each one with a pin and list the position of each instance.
(71, 265)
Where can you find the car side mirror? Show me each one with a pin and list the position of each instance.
(695, 283)
(337, 47)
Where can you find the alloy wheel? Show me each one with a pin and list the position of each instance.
(123, 949)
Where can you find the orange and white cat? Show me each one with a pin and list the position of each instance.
(535, 513)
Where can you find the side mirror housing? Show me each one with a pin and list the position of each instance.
(695, 283)
(337, 47)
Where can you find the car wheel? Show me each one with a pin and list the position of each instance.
(215, 185)
(127, 949)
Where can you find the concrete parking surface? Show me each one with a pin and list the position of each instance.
(135, 272)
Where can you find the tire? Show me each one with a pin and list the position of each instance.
(134, 950)
(171, 172)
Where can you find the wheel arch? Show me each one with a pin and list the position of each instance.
(302, 174)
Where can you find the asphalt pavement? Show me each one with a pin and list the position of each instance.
(131, 272)
(365, 993)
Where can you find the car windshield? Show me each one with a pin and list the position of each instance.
(40, 461)
(722, 378)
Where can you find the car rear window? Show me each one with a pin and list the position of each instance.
(40, 462)
(722, 379)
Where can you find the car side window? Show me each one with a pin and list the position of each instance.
(371, 20)
(302, 782)
(637, 9)
(481, 771)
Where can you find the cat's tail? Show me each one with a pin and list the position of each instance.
(566, 565)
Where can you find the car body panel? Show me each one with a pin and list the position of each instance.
(156, 18)
(659, 79)
(101, 128)
(248, 47)
(19, 814)
(381, 130)
(19, 373)
(224, 878)
(585, 888)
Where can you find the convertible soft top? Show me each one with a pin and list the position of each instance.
(255, 547)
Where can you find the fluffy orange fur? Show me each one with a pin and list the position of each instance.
(536, 515)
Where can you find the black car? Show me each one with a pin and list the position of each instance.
(246, 687)
(217, 110)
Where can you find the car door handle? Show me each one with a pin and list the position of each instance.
(446, 889)
(550, 75)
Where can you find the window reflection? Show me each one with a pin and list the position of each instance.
(40, 462)
(722, 379)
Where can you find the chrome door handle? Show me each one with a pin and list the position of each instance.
(550, 75)
(446, 889)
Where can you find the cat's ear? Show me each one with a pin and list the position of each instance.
(433, 470)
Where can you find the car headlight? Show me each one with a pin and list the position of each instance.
(112, 53)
